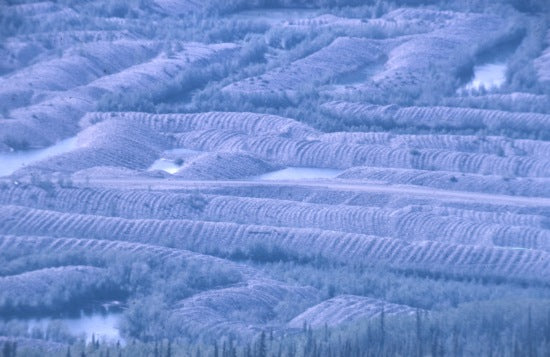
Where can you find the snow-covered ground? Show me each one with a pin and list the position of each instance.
(299, 173)
(488, 76)
(213, 163)
(100, 327)
(12, 161)
(172, 160)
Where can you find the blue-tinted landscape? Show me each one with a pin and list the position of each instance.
(275, 178)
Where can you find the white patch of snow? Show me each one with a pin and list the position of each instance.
(489, 75)
(164, 165)
(104, 327)
(12, 161)
(299, 173)
(168, 159)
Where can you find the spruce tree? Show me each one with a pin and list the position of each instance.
(419, 341)
(529, 334)
(262, 351)
(382, 331)
(6, 350)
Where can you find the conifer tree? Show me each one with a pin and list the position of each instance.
(262, 349)
(382, 330)
(529, 334)
(6, 350)
(419, 352)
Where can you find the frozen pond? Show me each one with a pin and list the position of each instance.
(171, 160)
(166, 165)
(299, 173)
(490, 70)
(104, 326)
(489, 75)
(12, 161)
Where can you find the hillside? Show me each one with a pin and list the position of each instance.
(274, 178)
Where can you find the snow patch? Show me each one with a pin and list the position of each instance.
(299, 173)
(12, 161)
